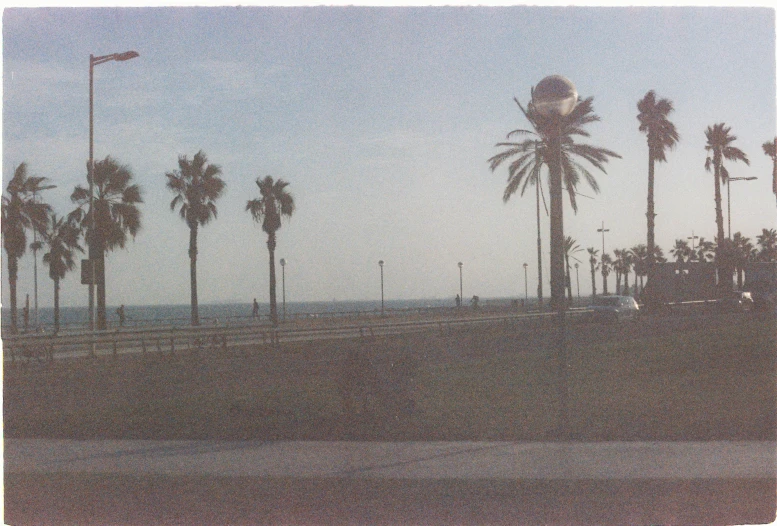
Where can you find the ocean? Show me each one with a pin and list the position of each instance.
(74, 318)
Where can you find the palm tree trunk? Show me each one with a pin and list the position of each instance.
(593, 281)
(273, 306)
(193, 273)
(604, 284)
(56, 305)
(569, 281)
(651, 216)
(13, 270)
(617, 282)
(539, 247)
(723, 283)
(626, 283)
(556, 227)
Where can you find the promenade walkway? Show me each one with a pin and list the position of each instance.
(295, 482)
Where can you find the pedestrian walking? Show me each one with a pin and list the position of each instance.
(255, 313)
(120, 313)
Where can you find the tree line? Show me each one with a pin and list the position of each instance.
(528, 156)
(107, 221)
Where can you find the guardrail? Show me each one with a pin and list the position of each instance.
(172, 340)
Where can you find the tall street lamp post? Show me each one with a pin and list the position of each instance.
(554, 98)
(730, 179)
(283, 285)
(380, 264)
(461, 285)
(603, 230)
(94, 61)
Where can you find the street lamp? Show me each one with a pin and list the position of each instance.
(380, 264)
(526, 283)
(693, 239)
(577, 274)
(94, 61)
(554, 98)
(283, 286)
(461, 285)
(603, 230)
(730, 179)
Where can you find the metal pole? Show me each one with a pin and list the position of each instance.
(526, 282)
(729, 209)
(90, 170)
(381, 289)
(283, 279)
(461, 285)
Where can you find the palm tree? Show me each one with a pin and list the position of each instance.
(21, 212)
(661, 134)
(570, 247)
(743, 251)
(61, 237)
(627, 260)
(681, 251)
(559, 151)
(617, 266)
(767, 240)
(526, 169)
(594, 262)
(719, 141)
(705, 250)
(606, 266)
(274, 203)
(639, 257)
(197, 186)
(116, 214)
(770, 149)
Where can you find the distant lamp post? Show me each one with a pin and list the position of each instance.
(380, 264)
(730, 179)
(603, 230)
(526, 282)
(95, 61)
(693, 239)
(283, 286)
(461, 285)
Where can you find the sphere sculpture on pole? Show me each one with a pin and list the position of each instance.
(553, 99)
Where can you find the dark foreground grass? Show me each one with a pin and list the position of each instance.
(494, 384)
(128, 500)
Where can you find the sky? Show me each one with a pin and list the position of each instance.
(382, 121)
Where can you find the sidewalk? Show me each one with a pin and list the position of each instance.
(129, 482)
(398, 460)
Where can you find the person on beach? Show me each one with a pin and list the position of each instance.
(458, 300)
(120, 313)
(255, 313)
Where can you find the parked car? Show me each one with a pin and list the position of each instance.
(737, 301)
(613, 309)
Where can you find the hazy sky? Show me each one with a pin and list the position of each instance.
(382, 121)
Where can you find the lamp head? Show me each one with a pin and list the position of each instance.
(127, 55)
(283, 262)
(554, 95)
(380, 262)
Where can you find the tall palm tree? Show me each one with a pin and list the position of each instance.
(116, 214)
(197, 186)
(606, 265)
(627, 261)
(275, 203)
(770, 149)
(524, 170)
(560, 152)
(594, 262)
(661, 133)
(719, 141)
(743, 252)
(61, 238)
(21, 211)
(767, 241)
(570, 247)
(681, 251)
